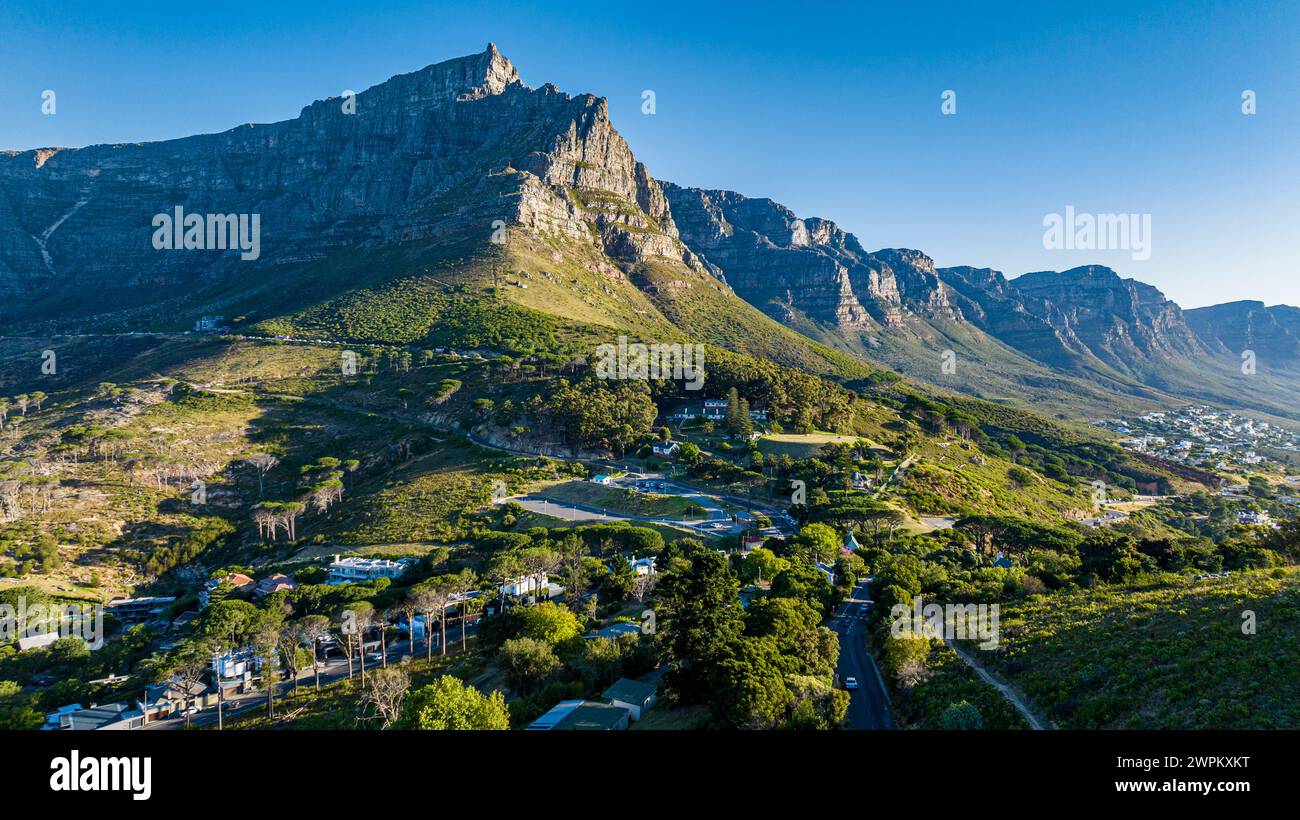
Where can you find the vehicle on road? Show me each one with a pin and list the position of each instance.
(850, 683)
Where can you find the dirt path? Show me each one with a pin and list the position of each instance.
(1008, 692)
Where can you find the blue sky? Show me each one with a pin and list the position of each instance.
(831, 109)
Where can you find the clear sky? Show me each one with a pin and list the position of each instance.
(831, 109)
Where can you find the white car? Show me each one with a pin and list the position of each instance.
(850, 683)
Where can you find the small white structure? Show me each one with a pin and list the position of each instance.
(601, 478)
(644, 566)
(1256, 519)
(828, 571)
(633, 695)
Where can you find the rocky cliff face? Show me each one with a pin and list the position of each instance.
(438, 155)
(1119, 321)
(775, 260)
(1273, 333)
(1029, 325)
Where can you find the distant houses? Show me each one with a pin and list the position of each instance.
(237, 580)
(711, 410)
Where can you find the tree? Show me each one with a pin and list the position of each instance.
(449, 704)
(747, 689)
(187, 668)
(437, 594)
(820, 542)
(263, 463)
(232, 622)
(697, 614)
(291, 654)
(462, 583)
(350, 620)
(408, 606)
(961, 715)
(385, 694)
(310, 630)
(528, 662)
(549, 623)
(502, 569)
(363, 619)
(266, 643)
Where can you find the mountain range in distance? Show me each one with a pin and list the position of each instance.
(378, 213)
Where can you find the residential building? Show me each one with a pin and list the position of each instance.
(240, 663)
(110, 716)
(828, 571)
(850, 541)
(238, 580)
(210, 324)
(667, 449)
(582, 715)
(275, 583)
(527, 585)
(37, 641)
(715, 408)
(1251, 518)
(361, 570)
(644, 566)
(633, 695)
(139, 610)
(601, 478)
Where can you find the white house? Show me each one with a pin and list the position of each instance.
(360, 570)
(644, 566)
(601, 478)
(526, 585)
(666, 448)
(1254, 518)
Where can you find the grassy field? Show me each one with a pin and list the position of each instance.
(800, 445)
(1172, 655)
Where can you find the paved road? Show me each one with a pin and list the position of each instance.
(868, 704)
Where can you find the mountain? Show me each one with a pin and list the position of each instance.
(440, 183)
(1084, 341)
(1273, 333)
(1122, 322)
(459, 183)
